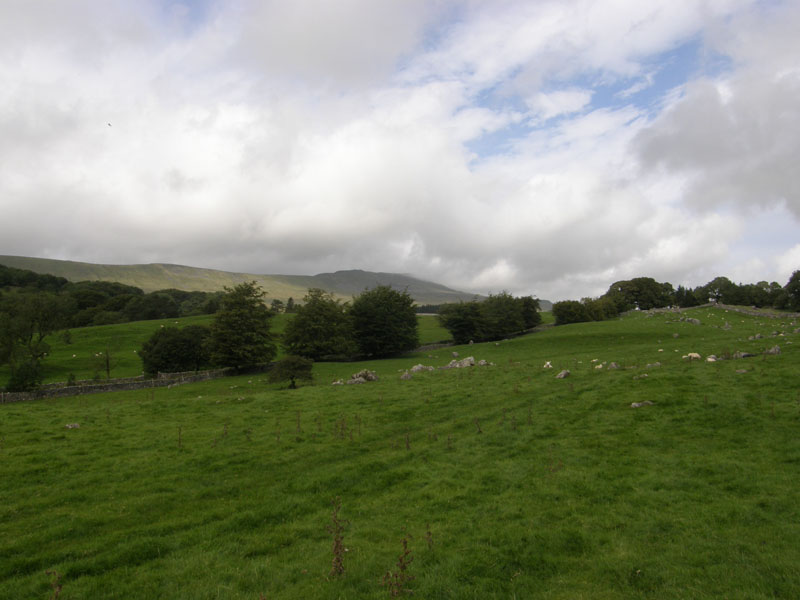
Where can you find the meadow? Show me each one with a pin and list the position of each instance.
(502, 481)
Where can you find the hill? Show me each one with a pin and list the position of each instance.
(151, 277)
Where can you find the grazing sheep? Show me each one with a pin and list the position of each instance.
(692, 356)
(547, 365)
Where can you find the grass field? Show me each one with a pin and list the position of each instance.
(124, 340)
(507, 482)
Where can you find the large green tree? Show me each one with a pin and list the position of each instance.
(384, 322)
(26, 319)
(240, 335)
(464, 321)
(321, 327)
(171, 349)
(792, 290)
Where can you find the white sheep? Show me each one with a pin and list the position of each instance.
(547, 365)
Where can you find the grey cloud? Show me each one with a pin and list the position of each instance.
(737, 144)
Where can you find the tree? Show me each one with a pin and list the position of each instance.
(321, 327)
(792, 289)
(494, 318)
(640, 292)
(530, 312)
(464, 321)
(570, 311)
(26, 319)
(171, 349)
(384, 322)
(291, 368)
(502, 316)
(277, 306)
(290, 308)
(240, 335)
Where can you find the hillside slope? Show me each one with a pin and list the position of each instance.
(151, 277)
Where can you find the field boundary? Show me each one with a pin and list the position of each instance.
(57, 390)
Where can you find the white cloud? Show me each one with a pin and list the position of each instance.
(307, 137)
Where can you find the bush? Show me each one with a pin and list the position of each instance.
(291, 368)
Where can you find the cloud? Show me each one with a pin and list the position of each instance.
(483, 145)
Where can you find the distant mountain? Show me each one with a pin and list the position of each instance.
(344, 284)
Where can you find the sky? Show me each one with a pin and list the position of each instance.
(538, 147)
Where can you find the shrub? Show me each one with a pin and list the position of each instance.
(291, 368)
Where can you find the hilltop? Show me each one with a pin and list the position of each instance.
(158, 276)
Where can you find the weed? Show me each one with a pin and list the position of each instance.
(478, 425)
(336, 529)
(429, 536)
(55, 584)
(180, 445)
(396, 581)
(408, 441)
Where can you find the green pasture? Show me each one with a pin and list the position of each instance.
(505, 481)
(124, 340)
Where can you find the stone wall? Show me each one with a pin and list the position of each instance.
(56, 390)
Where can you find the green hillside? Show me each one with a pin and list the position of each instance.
(151, 277)
(504, 481)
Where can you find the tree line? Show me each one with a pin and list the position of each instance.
(107, 302)
(644, 293)
(379, 322)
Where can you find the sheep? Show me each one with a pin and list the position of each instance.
(692, 356)
(547, 365)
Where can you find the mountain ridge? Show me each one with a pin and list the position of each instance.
(156, 276)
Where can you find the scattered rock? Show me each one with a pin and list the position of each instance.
(485, 363)
(640, 404)
(675, 335)
(460, 364)
(727, 326)
(774, 350)
(356, 380)
(642, 376)
(742, 354)
(366, 375)
(613, 365)
(406, 376)
(711, 358)
(338, 382)
(741, 370)
(73, 425)
(420, 367)
(563, 374)
(652, 365)
(455, 354)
